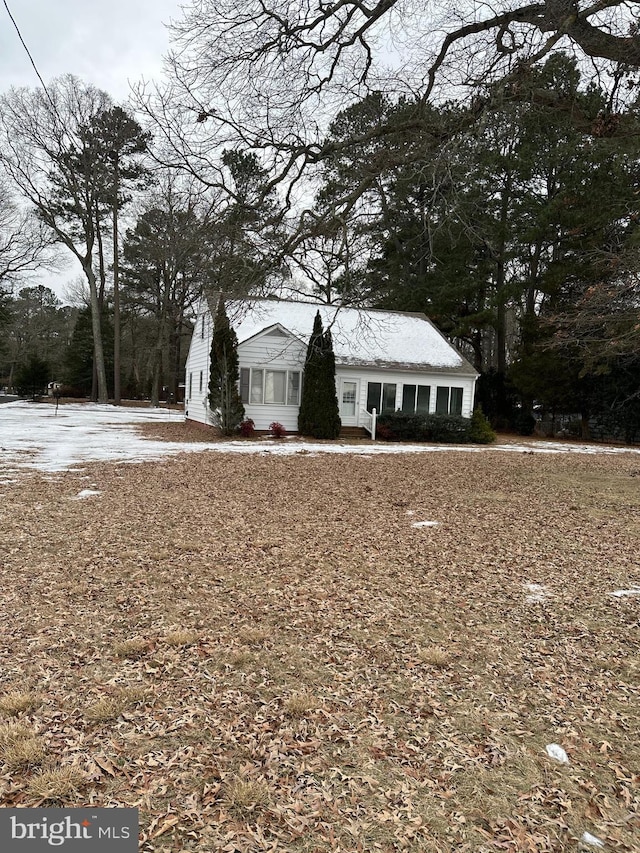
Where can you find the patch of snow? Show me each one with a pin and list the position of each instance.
(425, 523)
(86, 493)
(624, 593)
(537, 592)
(562, 447)
(587, 838)
(411, 512)
(554, 750)
(35, 438)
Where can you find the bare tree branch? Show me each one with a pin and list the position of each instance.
(25, 242)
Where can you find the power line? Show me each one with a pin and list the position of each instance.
(13, 21)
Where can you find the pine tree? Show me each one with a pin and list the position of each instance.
(33, 376)
(79, 357)
(319, 415)
(119, 139)
(224, 398)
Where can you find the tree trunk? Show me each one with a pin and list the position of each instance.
(585, 431)
(177, 355)
(101, 264)
(157, 373)
(157, 362)
(501, 275)
(98, 352)
(501, 299)
(116, 292)
(103, 278)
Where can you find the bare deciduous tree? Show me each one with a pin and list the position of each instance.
(166, 265)
(267, 76)
(49, 157)
(262, 71)
(25, 242)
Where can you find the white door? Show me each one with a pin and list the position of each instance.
(348, 401)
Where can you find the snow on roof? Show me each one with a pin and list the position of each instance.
(360, 336)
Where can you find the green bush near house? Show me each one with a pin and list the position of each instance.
(481, 431)
(319, 416)
(401, 426)
(224, 399)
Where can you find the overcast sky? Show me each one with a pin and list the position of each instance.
(109, 43)
(104, 42)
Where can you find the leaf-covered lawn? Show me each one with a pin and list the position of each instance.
(268, 653)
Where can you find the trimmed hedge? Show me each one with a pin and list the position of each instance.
(448, 429)
(401, 426)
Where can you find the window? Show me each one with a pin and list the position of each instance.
(448, 401)
(190, 384)
(423, 398)
(273, 387)
(415, 398)
(202, 327)
(200, 389)
(256, 386)
(293, 388)
(381, 396)
(245, 375)
(275, 382)
(374, 392)
(442, 400)
(389, 397)
(408, 398)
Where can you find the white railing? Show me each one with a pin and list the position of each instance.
(368, 421)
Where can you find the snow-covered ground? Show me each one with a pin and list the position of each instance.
(33, 436)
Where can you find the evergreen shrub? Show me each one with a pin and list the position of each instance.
(32, 377)
(385, 433)
(319, 416)
(71, 391)
(481, 431)
(224, 399)
(525, 423)
(450, 429)
(574, 428)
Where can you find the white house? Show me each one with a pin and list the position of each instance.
(385, 360)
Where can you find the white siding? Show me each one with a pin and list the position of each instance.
(272, 352)
(400, 378)
(274, 349)
(265, 351)
(195, 402)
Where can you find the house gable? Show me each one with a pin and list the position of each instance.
(392, 357)
(276, 332)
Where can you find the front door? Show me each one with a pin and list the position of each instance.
(348, 400)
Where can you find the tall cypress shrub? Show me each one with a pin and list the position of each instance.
(224, 398)
(319, 415)
(330, 423)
